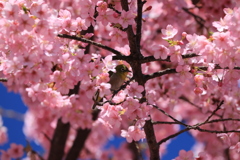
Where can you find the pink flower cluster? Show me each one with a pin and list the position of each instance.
(15, 151)
(45, 69)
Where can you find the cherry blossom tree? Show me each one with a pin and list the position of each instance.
(184, 58)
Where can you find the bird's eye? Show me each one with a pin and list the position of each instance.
(122, 69)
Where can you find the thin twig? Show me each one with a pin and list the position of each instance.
(163, 122)
(173, 135)
(222, 120)
(175, 120)
(213, 131)
(218, 107)
(188, 101)
(198, 19)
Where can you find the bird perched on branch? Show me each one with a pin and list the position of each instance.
(116, 80)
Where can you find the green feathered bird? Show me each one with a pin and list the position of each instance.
(116, 80)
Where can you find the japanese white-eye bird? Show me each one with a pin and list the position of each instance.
(116, 80)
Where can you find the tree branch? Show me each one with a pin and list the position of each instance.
(197, 18)
(151, 140)
(160, 73)
(139, 22)
(170, 71)
(134, 147)
(218, 107)
(60, 135)
(163, 122)
(58, 141)
(131, 37)
(222, 120)
(3, 80)
(152, 59)
(175, 120)
(188, 101)
(78, 144)
(85, 40)
(173, 135)
(213, 131)
(81, 137)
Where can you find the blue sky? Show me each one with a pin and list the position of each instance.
(12, 101)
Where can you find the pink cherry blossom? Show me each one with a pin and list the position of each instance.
(169, 32)
(10, 11)
(183, 77)
(220, 25)
(222, 40)
(160, 51)
(26, 22)
(80, 23)
(40, 11)
(199, 79)
(101, 6)
(104, 89)
(183, 155)
(184, 72)
(133, 133)
(15, 151)
(135, 90)
(176, 55)
(127, 18)
(105, 17)
(5, 155)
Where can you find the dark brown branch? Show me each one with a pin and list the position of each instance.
(134, 147)
(91, 42)
(214, 131)
(173, 135)
(214, 112)
(78, 144)
(139, 22)
(47, 137)
(3, 80)
(163, 122)
(112, 7)
(152, 59)
(131, 37)
(188, 101)
(60, 135)
(36, 153)
(82, 134)
(58, 141)
(160, 73)
(170, 71)
(81, 137)
(151, 140)
(195, 128)
(197, 18)
(175, 120)
(124, 58)
(222, 120)
(227, 154)
(216, 67)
